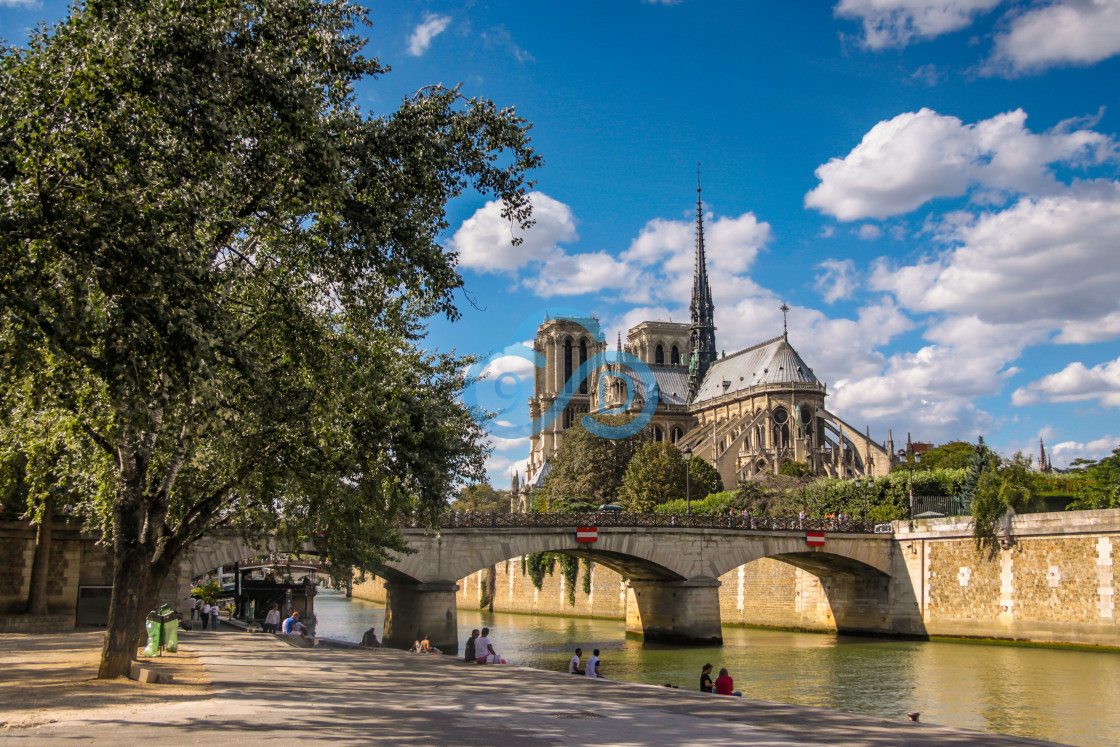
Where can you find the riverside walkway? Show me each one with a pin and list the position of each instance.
(266, 692)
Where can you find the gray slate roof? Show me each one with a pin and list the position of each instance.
(773, 362)
(672, 383)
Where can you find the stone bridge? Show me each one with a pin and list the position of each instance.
(672, 572)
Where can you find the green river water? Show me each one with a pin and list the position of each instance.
(1062, 695)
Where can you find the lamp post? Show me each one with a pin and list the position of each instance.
(912, 463)
(687, 486)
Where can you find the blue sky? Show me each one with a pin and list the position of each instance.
(933, 186)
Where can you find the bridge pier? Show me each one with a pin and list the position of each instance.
(676, 611)
(413, 610)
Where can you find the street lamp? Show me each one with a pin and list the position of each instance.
(912, 464)
(687, 486)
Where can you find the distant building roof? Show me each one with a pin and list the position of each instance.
(672, 384)
(773, 362)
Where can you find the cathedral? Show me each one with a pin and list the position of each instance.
(747, 413)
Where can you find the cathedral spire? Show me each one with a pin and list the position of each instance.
(702, 333)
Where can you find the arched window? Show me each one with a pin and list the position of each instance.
(582, 360)
(659, 354)
(677, 434)
(567, 362)
(657, 434)
(675, 356)
(781, 428)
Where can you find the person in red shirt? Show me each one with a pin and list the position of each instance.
(725, 685)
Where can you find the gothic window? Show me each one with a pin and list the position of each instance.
(657, 434)
(781, 428)
(582, 360)
(569, 418)
(659, 354)
(677, 434)
(675, 356)
(567, 362)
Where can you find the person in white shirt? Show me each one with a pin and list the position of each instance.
(272, 619)
(573, 665)
(593, 665)
(483, 649)
(204, 612)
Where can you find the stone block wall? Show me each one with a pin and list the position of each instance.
(766, 592)
(1051, 580)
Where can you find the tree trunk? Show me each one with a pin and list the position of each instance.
(41, 563)
(491, 583)
(131, 571)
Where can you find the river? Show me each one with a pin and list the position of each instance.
(1062, 695)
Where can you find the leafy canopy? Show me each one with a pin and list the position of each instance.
(218, 268)
(587, 471)
(1099, 486)
(655, 475)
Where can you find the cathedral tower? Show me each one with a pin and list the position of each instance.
(702, 332)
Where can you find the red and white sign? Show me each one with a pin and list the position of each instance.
(587, 534)
(814, 539)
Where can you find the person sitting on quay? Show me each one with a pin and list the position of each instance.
(292, 625)
(307, 635)
(484, 650)
(593, 671)
(573, 665)
(468, 647)
(369, 639)
(272, 619)
(725, 685)
(426, 646)
(706, 685)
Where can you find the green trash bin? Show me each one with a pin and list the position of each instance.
(154, 626)
(170, 630)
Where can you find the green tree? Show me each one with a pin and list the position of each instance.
(703, 478)
(795, 469)
(1009, 487)
(221, 267)
(655, 475)
(586, 471)
(482, 498)
(982, 460)
(1099, 486)
(952, 455)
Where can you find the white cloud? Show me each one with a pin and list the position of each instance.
(869, 232)
(895, 23)
(485, 240)
(1075, 383)
(915, 157)
(1066, 451)
(499, 38)
(1066, 32)
(565, 274)
(836, 279)
(1051, 261)
(432, 26)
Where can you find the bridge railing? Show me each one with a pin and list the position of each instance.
(463, 520)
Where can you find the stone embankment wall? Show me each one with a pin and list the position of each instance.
(765, 592)
(1050, 579)
(79, 567)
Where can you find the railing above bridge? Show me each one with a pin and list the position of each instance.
(745, 522)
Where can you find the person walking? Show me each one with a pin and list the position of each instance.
(204, 613)
(272, 619)
(573, 665)
(214, 609)
(592, 670)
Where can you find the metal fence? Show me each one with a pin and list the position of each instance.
(745, 522)
(946, 505)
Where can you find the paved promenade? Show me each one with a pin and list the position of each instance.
(266, 692)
